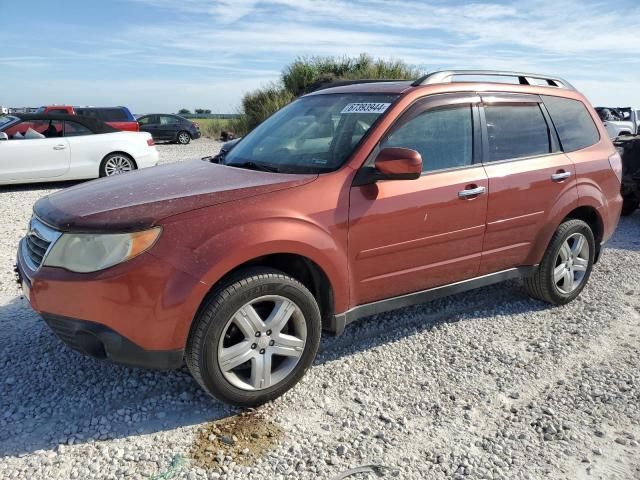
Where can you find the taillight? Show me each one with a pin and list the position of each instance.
(616, 164)
(150, 142)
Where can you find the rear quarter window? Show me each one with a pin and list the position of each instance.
(572, 120)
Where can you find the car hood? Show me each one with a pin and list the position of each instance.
(138, 200)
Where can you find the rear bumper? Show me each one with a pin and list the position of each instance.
(149, 159)
(195, 134)
(102, 342)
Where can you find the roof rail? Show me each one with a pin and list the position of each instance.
(344, 83)
(447, 76)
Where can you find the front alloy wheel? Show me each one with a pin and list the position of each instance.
(254, 337)
(262, 343)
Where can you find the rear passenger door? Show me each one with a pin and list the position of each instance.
(169, 127)
(529, 177)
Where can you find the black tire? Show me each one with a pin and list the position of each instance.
(183, 137)
(541, 284)
(103, 165)
(209, 326)
(629, 205)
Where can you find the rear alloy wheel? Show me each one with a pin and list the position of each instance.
(183, 137)
(254, 338)
(566, 265)
(116, 164)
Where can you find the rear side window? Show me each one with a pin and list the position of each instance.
(444, 137)
(516, 131)
(74, 129)
(106, 114)
(573, 123)
(166, 120)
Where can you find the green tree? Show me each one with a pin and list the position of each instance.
(184, 111)
(306, 74)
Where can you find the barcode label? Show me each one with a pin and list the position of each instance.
(365, 108)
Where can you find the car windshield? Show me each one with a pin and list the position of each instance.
(314, 134)
(7, 120)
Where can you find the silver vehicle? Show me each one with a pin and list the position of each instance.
(620, 121)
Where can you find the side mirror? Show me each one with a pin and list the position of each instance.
(394, 163)
(3, 136)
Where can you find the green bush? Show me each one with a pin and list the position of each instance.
(307, 74)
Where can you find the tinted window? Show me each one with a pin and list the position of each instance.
(516, 131)
(444, 137)
(144, 120)
(74, 129)
(105, 114)
(573, 122)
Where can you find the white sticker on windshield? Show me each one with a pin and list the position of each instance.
(365, 108)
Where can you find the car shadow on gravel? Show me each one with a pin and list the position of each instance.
(51, 395)
(22, 187)
(376, 330)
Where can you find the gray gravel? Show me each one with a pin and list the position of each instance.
(488, 384)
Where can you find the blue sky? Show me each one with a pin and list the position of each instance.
(161, 55)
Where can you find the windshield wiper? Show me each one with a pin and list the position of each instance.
(255, 166)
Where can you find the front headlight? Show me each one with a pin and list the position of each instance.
(87, 252)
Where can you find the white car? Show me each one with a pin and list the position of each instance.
(55, 147)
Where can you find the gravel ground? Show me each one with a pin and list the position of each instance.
(488, 384)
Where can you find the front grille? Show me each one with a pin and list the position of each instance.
(37, 243)
(36, 248)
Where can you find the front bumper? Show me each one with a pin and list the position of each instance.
(137, 313)
(102, 342)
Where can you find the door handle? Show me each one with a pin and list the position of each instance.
(59, 147)
(471, 192)
(560, 176)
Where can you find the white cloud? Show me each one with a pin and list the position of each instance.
(247, 42)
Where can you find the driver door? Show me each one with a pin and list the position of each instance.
(412, 235)
(41, 158)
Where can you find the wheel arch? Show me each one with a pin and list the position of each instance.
(591, 217)
(298, 266)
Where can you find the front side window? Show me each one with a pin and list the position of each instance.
(573, 123)
(75, 129)
(516, 131)
(442, 136)
(314, 134)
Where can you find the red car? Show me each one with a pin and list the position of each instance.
(348, 202)
(118, 117)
